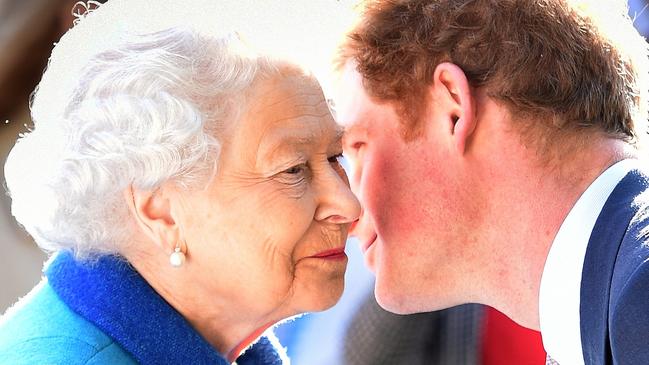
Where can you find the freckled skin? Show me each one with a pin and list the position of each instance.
(405, 188)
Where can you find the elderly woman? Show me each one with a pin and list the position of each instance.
(191, 193)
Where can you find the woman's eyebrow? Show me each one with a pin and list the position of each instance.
(340, 132)
(293, 140)
(284, 144)
(337, 139)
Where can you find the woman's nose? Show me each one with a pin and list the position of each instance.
(337, 203)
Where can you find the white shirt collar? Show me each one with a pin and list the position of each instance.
(559, 295)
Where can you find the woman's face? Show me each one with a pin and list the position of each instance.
(270, 230)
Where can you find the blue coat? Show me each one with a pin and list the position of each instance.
(105, 313)
(614, 306)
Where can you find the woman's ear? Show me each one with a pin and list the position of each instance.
(152, 212)
(452, 95)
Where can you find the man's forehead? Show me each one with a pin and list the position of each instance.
(349, 97)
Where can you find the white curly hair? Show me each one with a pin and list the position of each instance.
(120, 109)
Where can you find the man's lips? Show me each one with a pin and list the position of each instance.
(333, 254)
(365, 245)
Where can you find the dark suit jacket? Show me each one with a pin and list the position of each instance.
(614, 308)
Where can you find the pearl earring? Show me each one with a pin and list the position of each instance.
(177, 258)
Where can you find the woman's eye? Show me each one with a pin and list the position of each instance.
(296, 170)
(336, 159)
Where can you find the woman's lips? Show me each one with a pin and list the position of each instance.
(333, 254)
(365, 245)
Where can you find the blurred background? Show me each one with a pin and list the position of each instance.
(28, 31)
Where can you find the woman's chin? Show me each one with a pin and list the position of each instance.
(328, 302)
(324, 297)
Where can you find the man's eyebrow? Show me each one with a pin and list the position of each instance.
(349, 128)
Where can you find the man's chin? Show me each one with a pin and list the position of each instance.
(401, 299)
(392, 298)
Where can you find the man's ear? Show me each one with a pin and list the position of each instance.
(452, 95)
(152, 212)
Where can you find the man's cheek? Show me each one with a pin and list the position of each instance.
(373, 189)
(355, 175)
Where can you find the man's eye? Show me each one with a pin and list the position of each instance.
(357, 146)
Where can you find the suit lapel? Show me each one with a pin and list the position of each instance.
(603, 246)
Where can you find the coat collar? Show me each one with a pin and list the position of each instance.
(599, 264)
(110, 294)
